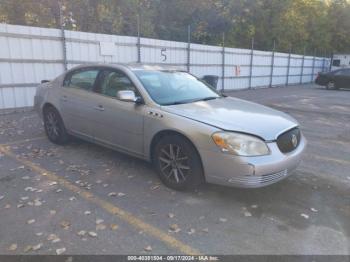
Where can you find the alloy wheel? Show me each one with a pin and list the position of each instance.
(174, 163)
(330, 85)
(52, 124)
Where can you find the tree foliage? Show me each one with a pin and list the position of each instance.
(312, 25)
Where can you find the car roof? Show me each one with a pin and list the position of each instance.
(133, 66)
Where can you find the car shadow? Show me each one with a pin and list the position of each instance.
(287, 202)
(289, 199)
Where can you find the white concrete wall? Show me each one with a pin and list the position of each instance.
(30, 54)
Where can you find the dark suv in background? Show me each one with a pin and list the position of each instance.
(336, 79)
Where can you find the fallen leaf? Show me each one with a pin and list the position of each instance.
(30, 221)
(120, 194)
(81, 233)
(247, 214)
(99, 221)
(305, 216)
(2, 197)
(112, 194)
(65, 224)
(254, 206)
(114, 226)
(39, 234)
(171, 215)
(52, 212)
(37, 202)
(92, 234)
(7, 206)
(72, 198)
(59, 190)
(205, 230)
(56, 240)
(28, 248)
(313, 209)
(87, 213)
(223, 220)
(12, 247)
(174, 228)
(155, 187)
(148, 248)
(191, 231)
(37, 247)
(20, 205)
(52, 237)
(100, 227)
(52, 183)
(60, 251)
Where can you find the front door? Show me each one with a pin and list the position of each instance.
(77, 101)
(119, 123)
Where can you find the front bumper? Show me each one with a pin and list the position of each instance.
(251, 172)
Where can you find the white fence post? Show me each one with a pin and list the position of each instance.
(63, 36)
(223, 63)
(251, 64)
(288, 66)
(188, 48)
(302, 68)
(272, 62)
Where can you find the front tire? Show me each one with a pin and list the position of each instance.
(331, 85)
(177, 163)
(54, 126)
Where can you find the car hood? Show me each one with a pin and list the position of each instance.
(232, 114)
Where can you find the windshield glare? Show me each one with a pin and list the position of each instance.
(174, 87)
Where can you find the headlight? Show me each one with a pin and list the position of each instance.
(240, 144)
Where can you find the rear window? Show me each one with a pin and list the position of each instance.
(336, 62)
(83, 79)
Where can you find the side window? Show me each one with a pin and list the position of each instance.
(83, 79)
(114, 81)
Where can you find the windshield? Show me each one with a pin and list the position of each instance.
(174, 87)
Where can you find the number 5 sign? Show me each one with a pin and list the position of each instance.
(163, 54)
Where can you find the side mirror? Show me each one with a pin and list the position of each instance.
(128, 96)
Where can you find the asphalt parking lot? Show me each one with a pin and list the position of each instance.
(85, 199)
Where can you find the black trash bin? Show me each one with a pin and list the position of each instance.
(211, 80)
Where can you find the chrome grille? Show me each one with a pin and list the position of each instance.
(288, 141)
(253, 181)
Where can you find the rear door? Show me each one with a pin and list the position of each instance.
(119, 123)
(78, 101)
(345, 79)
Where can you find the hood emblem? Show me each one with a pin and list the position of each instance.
(294, 140)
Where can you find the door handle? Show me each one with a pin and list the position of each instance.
(64, 98)
(99, 108)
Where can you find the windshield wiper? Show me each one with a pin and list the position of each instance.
(192, 100)
(176, 103)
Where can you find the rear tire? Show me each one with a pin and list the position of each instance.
(177, 163)
(54, 126)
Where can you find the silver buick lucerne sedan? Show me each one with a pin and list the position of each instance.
(190, 132)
